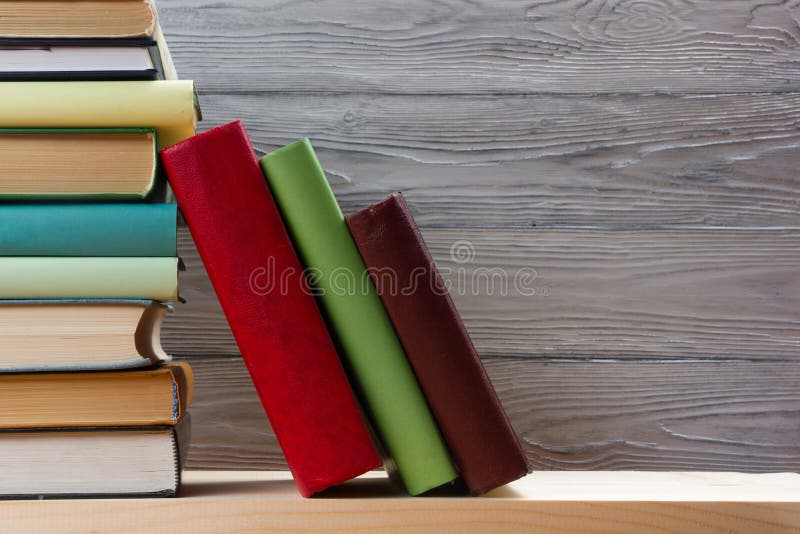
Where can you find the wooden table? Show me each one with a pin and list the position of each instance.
(563, 502)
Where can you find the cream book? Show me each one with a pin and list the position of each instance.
(54, 335)
(168, 106)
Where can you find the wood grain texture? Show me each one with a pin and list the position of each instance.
(742, 416)
(585, 293)
(639, 155)
(486, 46)
(234, 501)
(545, 161)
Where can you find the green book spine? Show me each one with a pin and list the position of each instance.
(357, 318)
(95, 278)
(144, 230)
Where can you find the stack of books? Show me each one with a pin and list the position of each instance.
(90, 404)
(345, 324)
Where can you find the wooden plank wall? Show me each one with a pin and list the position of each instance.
(637, 158)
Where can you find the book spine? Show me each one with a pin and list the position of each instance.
(357, 318)
(438, 346)
(166, 105)
(275, 321)
(104, 230)
(106, 278)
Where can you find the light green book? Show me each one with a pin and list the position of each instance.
(89, 278)
(358, 320)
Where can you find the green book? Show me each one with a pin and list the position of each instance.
(91, 278)
(143, 230)
(358, 320)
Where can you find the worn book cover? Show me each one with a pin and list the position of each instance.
(438, 346)
(276, 323)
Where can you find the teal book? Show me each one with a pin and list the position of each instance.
(107, 230)
(88, 278)
(358, 321)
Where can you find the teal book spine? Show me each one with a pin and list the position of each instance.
(106, 230)
(358, 321)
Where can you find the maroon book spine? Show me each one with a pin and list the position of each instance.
(448, 368)
(280, 332)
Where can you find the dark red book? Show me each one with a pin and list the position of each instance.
(461, 397)
(280, 332)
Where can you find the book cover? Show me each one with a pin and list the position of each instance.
(102, 278)
(146, 397)
(169, 106)
(99, 230)
(275, 321)
(438, 346)
(357, 318)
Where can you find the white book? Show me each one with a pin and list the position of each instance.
(65, 60)
(134, 462)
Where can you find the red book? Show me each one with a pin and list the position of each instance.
(258, 279)
(448, 368)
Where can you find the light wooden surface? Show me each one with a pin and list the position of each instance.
(639, 155)
(622, 502)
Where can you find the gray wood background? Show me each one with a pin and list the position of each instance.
(641, 156)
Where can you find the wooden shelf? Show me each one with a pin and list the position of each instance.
(619, 502)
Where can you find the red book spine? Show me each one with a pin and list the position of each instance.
(451, 375)
(258, 279)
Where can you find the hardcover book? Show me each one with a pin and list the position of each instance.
(107, 19)
(80, 463)
(357, 318)
(77, 164)
(438, 346)
(94, 278)
(80, 60)
(169, 106)
(72, 335)
(275, 321)
(145, 397)
(96, 230)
